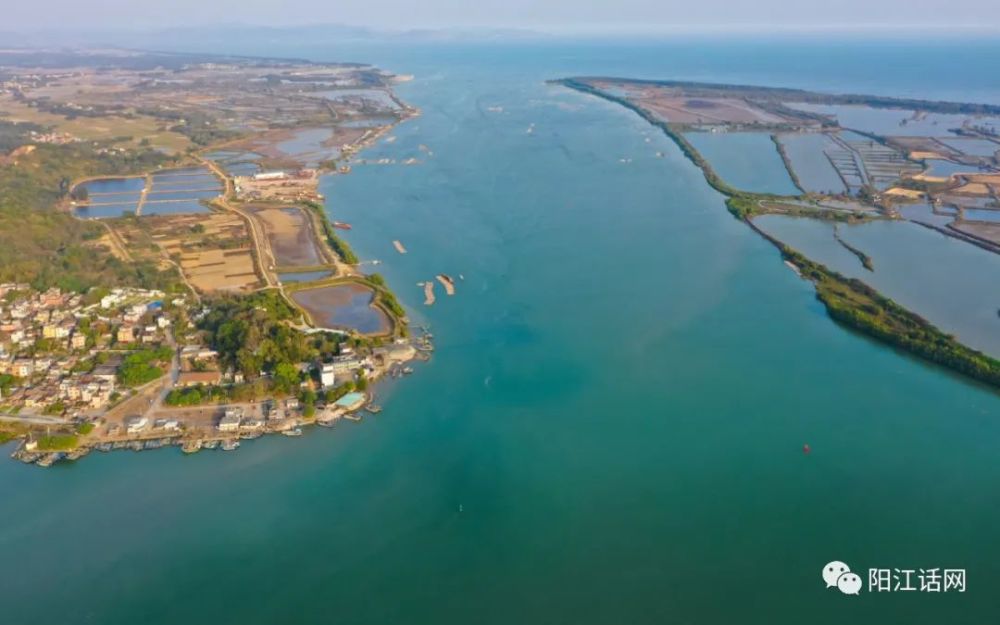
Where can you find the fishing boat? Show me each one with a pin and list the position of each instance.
(230, 445)
(341, 225)
(293, 432)
(190, 447)
(76, 454)
(407, 370)
(50, 459)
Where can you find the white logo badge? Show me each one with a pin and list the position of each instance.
(838, 575)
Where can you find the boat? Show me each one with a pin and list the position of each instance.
(210, 445)
(78, 453)
(190, 447)
(341, 225)
(135, 446)
(249, 436)
(407, 370)
(293, 432)
(352, 417)
(50, 459)
(105, 447)
(230, 445)
(325, 424)
(374, 408)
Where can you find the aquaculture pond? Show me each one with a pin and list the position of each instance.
(175, 183)
(953, 284)
(104, 211)
(980, 214)
(888, 122)
(973, 147)
(369, 122)
(303, 276)
(181, 195)
(174, 208)
(746, 160)
(923, 213)
(942, 168)
(379, 97)
(807, 152)
(343, 306)
(307, 145)
(114, 185)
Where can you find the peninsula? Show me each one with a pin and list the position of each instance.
(845, 159)
(168, 270)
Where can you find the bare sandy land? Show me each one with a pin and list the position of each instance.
(973, 188)
(447, 283)
(399, 247)
(919, 155)
(907, 193)
(428, 293)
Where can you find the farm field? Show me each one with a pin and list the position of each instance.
(133, 129)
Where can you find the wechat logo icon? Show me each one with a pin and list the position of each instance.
(838, 575)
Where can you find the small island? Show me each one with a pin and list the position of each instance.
(843, 159)
(169, 274)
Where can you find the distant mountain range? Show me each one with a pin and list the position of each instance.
(178, 37)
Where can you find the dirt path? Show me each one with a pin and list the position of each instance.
(117, 245)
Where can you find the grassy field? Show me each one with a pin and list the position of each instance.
(96, 129)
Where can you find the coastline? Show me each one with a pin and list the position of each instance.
(848, 301)
(391, 347)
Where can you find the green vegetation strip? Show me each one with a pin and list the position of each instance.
(788, 163)
(338, 245)
(859, 306)
(58, 442)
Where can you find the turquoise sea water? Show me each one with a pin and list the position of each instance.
(611, 428)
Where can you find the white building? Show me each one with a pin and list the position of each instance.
(136, 425)
(230, 422)
(327, 375)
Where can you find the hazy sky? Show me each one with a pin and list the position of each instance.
(543, 15)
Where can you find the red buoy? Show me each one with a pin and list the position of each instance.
(806, 449)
